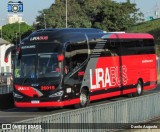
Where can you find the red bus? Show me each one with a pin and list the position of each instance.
(60, 67)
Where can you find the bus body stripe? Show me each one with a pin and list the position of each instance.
(125, 89)
(48, 104)
(94, 96)
(101, 96)
(131, 36)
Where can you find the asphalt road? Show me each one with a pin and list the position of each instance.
(18, 114)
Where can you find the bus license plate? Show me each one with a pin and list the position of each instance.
(35, 101)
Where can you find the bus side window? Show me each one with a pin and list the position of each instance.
(113, 48)
(80, 53)
(75, 55)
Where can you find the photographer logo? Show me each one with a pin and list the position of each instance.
(15, 6)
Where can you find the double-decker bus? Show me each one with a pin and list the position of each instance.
(60, 67)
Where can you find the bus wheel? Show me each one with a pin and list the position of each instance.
(84, 99)
(139, 89)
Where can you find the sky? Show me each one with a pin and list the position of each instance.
(148, 7)
(31, 8)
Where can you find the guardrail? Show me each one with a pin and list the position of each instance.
(132, 110)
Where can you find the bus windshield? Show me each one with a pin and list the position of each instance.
(48, 65)
(25, 67)
(37, 64)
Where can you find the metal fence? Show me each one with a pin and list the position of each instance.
(132, 110)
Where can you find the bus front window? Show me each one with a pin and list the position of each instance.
(25, 66)
(38, 61)
(48, 65)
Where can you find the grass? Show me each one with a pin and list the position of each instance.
(159, 77)
(152, 27)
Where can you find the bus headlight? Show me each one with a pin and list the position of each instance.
(15, 95)
(60, 93)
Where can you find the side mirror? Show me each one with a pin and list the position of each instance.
(8, 51)
(6, 60)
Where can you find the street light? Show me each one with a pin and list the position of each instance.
(19, 31)
(66, 15)
(1, 31)
(16, 39)
(44, 21)
(134, 12)
(1, 28)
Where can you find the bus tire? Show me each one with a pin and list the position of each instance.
(139, 89)
(84, 99)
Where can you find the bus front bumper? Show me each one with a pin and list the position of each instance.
(36, 104)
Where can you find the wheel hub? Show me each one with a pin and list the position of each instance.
(139, 89)
(83, 98)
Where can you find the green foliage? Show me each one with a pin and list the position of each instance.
(56, 16)
(152, 27)
(104, 14)
(11, 32)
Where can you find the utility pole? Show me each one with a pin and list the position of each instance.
(66, 15)
(19, 31)
(134, 12)
(16, 39)
(156, 10)
(44, 21)
(1, 30)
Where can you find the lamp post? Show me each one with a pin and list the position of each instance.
(19, 31)
(134, 12)
(66, 15)
(1, 28)
(44, 21)
(16, 39)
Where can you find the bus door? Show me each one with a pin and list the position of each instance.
(76, 56)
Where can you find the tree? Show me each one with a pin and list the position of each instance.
(104, 14)
(11, 32)
(55, 16)
(113, 16)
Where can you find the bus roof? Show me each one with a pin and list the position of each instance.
(63, 35)
(130, 36)
(69, 30)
